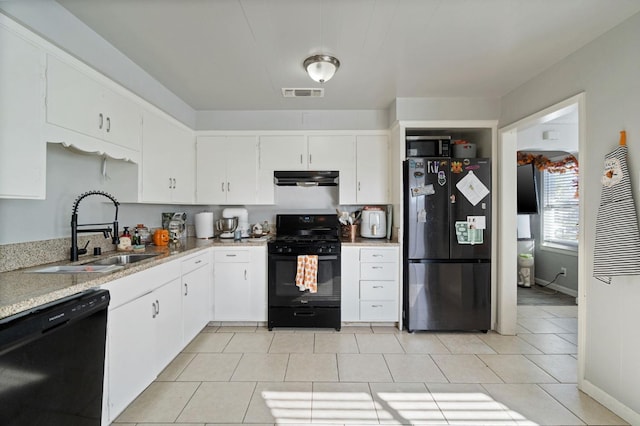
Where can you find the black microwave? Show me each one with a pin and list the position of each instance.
(428, 146)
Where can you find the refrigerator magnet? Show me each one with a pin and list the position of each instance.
(477, 222)
(422, 190)
(472, 188)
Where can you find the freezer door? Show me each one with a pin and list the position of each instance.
(426, 183)
(470, 230)
(448, 296)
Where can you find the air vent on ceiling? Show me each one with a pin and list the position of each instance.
(302, 93)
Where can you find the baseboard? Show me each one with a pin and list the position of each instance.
(610, 402)
(564, 290)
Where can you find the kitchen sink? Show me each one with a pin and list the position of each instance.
(77, 269)
(121, 259)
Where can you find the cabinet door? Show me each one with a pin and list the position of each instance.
(372, 170)
(168, 324)
(242, 165)
(350, 283)
(283, 153)
(195, 297)
(74, 100)
(22, 148)
(258, 277)
(232, 291)
(131, 339)
(123, 120)
(211, 170)
(183, 162)
(336, 153)
(156, 160)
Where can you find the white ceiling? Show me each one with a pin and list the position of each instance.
(238, 54)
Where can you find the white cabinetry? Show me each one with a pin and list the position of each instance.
(240, 284)
(370, 284)
(350, 283)
(226, 169)
(144, 331)
(23, 153)
(79, 102)
(168, 157)
(197, 276)
(372, 154)
(315, 152)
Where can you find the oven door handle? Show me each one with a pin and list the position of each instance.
(304, 314)
(321, 257)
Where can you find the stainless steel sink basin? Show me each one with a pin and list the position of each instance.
(122, 259)
(77, 269)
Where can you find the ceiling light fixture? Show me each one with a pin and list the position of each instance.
(321, 67)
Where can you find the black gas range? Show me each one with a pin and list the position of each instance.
(304, 272)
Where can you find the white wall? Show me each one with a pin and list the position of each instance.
(444, 109)
(293, 120)
(54, 23)
(607, 70)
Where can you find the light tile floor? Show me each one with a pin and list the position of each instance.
(375, 375)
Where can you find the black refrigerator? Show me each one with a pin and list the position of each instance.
(447, 244)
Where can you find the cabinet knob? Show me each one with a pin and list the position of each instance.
(108, 124)
(169, 183)
(228, 186)
(222, 186)
(245, 274)
(158, 305)
(101, 122)
(186, 289)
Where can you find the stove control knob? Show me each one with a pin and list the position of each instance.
(279, 249)
(320, 250)
(289, 250)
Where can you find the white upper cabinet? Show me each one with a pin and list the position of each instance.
(372, 153)
(80, 103)
(23, 153)
(168, 157)
(301, 152)
(336, 153)
(226, 169)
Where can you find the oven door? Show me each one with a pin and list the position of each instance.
(283, 291)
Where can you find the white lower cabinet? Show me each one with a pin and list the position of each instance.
(153, 314)
(145, 334)
(240, 284)
(370, 284)
(197, 276)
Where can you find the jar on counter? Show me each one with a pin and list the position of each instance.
(145, 235)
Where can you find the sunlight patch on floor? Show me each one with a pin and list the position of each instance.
(390, 408)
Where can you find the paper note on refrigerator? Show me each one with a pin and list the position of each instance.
(466, 235)
(472, 188)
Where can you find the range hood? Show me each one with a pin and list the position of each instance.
(306, 178)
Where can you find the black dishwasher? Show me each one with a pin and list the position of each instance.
(52, 362)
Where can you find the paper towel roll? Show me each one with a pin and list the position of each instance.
(204, 225)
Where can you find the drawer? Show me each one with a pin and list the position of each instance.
(232, 256)
(195, 262)
(378, 255)
(380, 310)
(378, 290)
(379, 271)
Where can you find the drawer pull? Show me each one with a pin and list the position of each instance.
(376, 255)
(376, 267)
(230, 255)
(376, 306)
(378, 286)
(198, 261)
(186, 289)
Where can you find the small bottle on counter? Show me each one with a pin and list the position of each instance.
(125, 240)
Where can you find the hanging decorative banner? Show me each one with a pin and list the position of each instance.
(617, 245)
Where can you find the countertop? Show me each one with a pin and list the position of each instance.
(21, 290)
(360, 241)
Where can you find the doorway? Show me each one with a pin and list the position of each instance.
(508, 138)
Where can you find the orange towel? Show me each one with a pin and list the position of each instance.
(307, 273)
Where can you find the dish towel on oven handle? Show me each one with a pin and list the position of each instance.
(617, 245)
(307, 273)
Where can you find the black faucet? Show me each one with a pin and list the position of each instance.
(107, 231)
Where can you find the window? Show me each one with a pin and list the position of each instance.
(560, 209)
